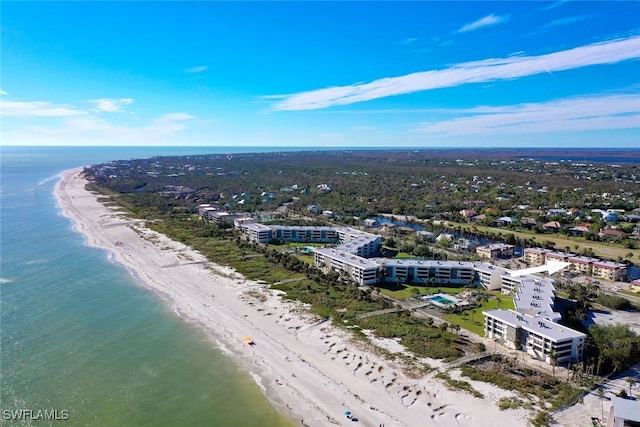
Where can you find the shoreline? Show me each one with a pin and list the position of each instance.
(309, 371)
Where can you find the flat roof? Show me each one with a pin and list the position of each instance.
(347, 258)
(626, 409)
(425, 263)
(486, 267)
(535, 324)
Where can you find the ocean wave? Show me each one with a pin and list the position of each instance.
(5, 281)
(37, 261)
(51, 178)
(258, 381)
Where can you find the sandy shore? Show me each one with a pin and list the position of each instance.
(310, 370)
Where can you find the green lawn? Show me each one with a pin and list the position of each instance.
(405, 291)
(473, 320)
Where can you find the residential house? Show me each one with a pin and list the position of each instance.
(552, 227)
(610, 233)
(578, 231)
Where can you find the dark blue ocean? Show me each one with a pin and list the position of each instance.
(78, 334)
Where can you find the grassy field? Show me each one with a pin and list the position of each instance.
(600, 249)
(473, 320)
(406, 291)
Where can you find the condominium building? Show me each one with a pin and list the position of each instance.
(359, 269)
(557, 256)
(541, 338)
(608, 270)
(496, 250)
(489, 275)
(308, 234)
(582, 264)
(255, 232)
(427, 271)
(535, 256)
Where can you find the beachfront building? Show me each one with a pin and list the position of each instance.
(306, 234)
(427, 271)
(489, 276)
(496, 250)
(607, 270)
(359, 269)
(543, 339)
(531, 294)
(535, 256)
(359, 243)
(255, 232)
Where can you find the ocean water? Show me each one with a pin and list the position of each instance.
(79, 334)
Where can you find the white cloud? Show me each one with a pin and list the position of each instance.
(198, 69)
(483, 71)
(566, 21)
(174, 117)
(3, 92)
(604, 112)
(483, 22)
(37, 109)
(409, 40)
(109, 105)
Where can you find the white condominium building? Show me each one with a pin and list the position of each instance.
(537, 336)
(489, 275)
(359, 269)
(427, 271)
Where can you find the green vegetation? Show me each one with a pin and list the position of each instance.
(459, 385)
(617, 347)
(417, 335)
(508, 377)
(510, 403)
(542, 419)
(402, 291)
(473, 320)
(614, 301)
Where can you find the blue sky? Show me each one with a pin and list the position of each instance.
(356, 73)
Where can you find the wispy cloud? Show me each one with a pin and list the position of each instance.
(409, 40)
(488, 70)
(3, 92)
(554, 5)
(574, 114)
(198, 69)
(111, 105)
(483, 22)
(567, 21)
(47, 123)
(37, 109)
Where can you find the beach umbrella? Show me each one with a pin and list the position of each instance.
(347, 412)
(247, 338)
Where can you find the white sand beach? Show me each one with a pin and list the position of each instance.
(309, 370)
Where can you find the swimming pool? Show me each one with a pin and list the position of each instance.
(441, 299)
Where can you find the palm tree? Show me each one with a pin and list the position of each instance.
(554, 361)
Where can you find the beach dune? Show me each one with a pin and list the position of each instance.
(309, 370)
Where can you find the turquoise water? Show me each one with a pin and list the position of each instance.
(443, 300)
(79, 334)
